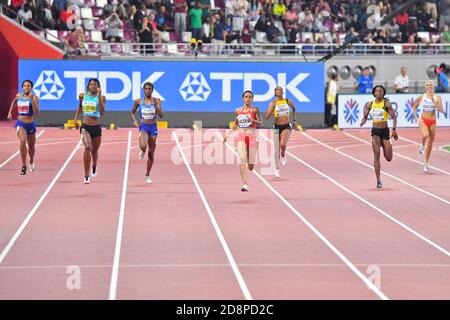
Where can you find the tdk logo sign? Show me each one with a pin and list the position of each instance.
(194, 87)
(48, 86)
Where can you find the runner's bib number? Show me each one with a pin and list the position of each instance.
(244, 121)
(428, 106)
(377, 114)
(23, 106)
(89, 106)
(148, 113)
(282, 110)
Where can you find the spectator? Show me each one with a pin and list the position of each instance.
(162, 19)
(16, 5)
(430, 8)
(157, 35)
(139, 17)
(401, 82)
(291, 25)
(180, 17)
(108, 9)
(44, 17)
(195, 15)
(25, 13)
(442, 80)
(445, 38)
(219, 35)
(410, 47)
(392, 30)
(145, 36)
(323, 6)
(364, 83)
(351, 33)
(121, 9)
(75, 41)
(114, 31)
(274, 34)
(279, 10)
(444, 11)
(246, 34)
(240, 8)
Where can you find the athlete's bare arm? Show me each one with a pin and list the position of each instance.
(79, 109)
(366, 113)
(415, 105)
(158, 107)
(393, 115)
(133, 110)
(35, 104)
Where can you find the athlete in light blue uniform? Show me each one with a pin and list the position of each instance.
(92, 104)
(27, 107)
(149, 108)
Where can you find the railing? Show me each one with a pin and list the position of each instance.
(415, 86)
(308, 52)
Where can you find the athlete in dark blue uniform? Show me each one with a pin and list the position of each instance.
(27, 107)
(149, 108)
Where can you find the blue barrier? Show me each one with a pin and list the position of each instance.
(182, 86)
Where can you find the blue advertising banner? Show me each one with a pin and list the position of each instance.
(182, 86)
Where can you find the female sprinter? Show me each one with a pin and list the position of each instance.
(148, 107)
(27, 107)
(280, 109)
(92, 104)
(246, 121)
(429, 103)
(379, 109)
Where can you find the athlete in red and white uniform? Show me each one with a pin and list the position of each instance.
(246, 121)
(429, 103)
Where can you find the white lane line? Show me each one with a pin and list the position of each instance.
(219, 233)
(413, 142)
(441, 148)
(341, 256)
(116, 261)
(384, 213)
(37, 205)
(371, 167)
(18, 151)
(398, 154)
(223, 265)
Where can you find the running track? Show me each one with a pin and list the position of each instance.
(321, 231)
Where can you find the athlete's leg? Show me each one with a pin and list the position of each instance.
(376, 144)
(424, 133)
(143, 141)
(31, 141)
(242, 152)
(94, 150)
(87, 141)
(22, 134)
(387, 150)
(284, 137)
(432, 134)
(276, 147)
(151, 153)
(251, 152)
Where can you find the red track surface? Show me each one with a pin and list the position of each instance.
(170, 249)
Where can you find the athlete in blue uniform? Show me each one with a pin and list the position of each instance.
(27, 107)
(148, 108)
(92, 104)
